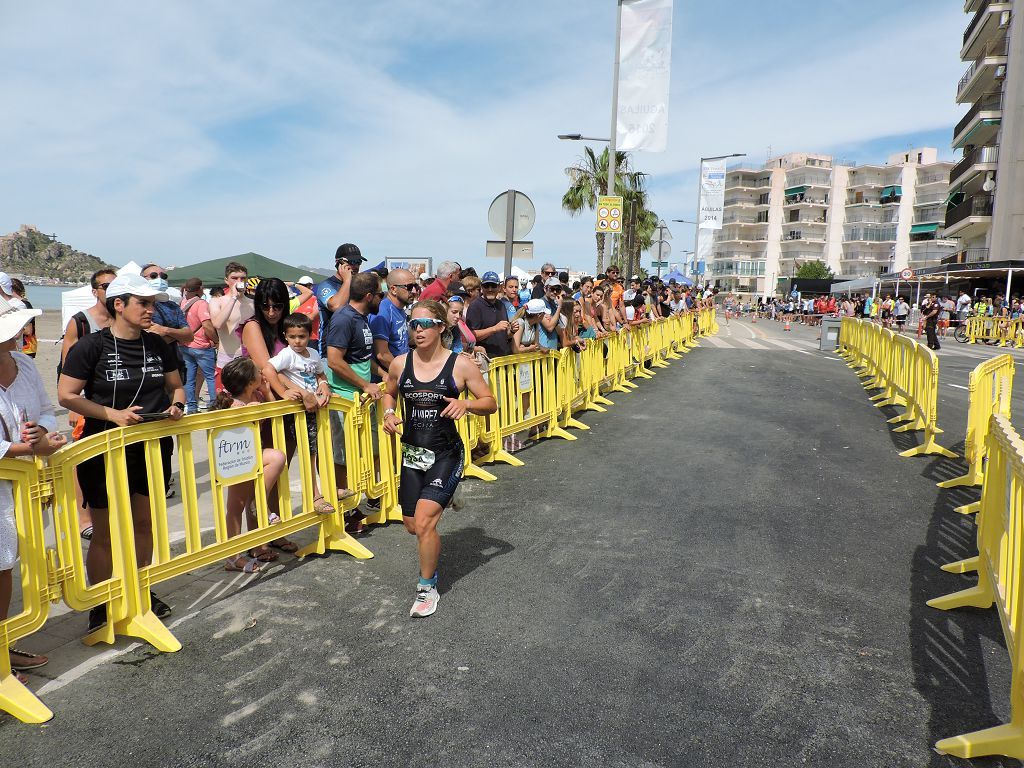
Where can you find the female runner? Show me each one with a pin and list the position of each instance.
(430, 379)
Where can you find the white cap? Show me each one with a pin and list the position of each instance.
(537, 307)
(133, 285)
(5, 284)
(551, 282)
(304, 280)
(13, 319)
(426, 276)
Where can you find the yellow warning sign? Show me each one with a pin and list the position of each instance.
(609, 214)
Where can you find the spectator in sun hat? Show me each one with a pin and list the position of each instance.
(7, 292)
(28, 428)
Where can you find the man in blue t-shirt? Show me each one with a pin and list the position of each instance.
(389, 326)
(333, 293)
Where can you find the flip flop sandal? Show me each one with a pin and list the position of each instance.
(31, 660)
(322, 506)
(285, 545)
(345, 493)
(251, 565)
(86, 533)
(264, 556)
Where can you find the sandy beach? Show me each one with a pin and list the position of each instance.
(49, 331)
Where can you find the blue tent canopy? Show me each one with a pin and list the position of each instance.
(678, 276)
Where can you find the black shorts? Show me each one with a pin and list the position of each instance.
(92, 474)
(435, 484)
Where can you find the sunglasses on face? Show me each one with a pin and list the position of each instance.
(102, 286)
(271, 307)
(423, 323)
(155, 275)
(408, 286)
(548, 273)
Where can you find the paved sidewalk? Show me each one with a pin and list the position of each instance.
(729, 569)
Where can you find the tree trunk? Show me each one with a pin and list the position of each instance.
(600, 252)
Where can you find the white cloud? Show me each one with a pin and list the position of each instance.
(119, 142)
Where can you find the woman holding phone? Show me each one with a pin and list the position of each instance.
(128, 376)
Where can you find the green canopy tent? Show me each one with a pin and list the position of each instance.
(212, 272)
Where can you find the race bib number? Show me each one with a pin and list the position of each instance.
(414, 457)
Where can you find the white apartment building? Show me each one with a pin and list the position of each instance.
(860, 220)
(988, 89)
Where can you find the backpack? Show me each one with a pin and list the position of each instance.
(82, 328)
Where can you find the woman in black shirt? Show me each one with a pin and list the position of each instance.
(124, 371)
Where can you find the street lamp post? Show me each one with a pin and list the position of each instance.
(693, 270)
(700, 177)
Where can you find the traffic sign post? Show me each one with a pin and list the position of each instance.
(511, 217)
(609, 215)
(907, 274)
(660, 247)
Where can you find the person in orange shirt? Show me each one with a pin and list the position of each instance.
(616, 291)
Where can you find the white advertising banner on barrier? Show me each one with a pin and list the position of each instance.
(712, 194)
(645, 62)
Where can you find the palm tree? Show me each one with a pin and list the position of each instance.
(640, 223)
(588, 180)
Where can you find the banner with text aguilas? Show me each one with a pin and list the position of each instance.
(645, 63)
(712, 194)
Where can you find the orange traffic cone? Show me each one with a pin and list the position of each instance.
(785, 325)
(753, 317)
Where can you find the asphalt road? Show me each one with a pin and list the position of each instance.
(729, 569)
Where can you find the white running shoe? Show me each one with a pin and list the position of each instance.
(426, 602)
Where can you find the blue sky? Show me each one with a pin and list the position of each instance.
(179, 132)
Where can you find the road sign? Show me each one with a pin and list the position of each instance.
(661, 250)
(524, 215)
(521, 249)
(609, 215)
(907, 274)
(659, 265)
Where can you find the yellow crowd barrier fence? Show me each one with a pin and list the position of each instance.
(905, 372)
(990, 387)
(538, 394)
(1000, 568)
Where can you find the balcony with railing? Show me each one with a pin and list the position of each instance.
(763, 182)
(934, 177)
(979, 156)
(977, 206)
(930, 198)
(991, 105)
(930, 215)
(868, 234)
(982, 69)
(980, 26)
(808, 180)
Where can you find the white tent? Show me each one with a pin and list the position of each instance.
(81, 298)
(519, 273)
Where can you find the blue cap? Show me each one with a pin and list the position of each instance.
(490, 277)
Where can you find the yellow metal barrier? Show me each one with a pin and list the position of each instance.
(36, 591)
(989, 387)
(233, 451)
(1000, 567)
(906, 372)
(998, 329)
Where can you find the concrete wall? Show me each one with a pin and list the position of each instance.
(836, 218)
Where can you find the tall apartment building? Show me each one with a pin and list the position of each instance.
(860, 220)
(987, 87)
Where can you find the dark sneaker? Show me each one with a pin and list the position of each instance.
(354, 515)
(373, 504)
(160, 608)
(97, 617)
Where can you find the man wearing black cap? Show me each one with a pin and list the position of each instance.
(332, 294)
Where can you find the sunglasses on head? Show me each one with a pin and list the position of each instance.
(155, 275)
(423, 323)
(458, 299)
(271, 307)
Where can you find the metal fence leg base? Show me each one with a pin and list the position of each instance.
(507, 457)
(149, 628)
(970, 479)
(595, 407)
(969, 565)
(969, 509)
(1002, 740)
(928, 448)
(914, 426)
(575, 424)
(334, 538)
(472, 470)
(559, 432)
(600, 400)
(20, 702)
(975, 597)
(901, 418)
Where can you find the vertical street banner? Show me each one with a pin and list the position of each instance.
(712, 194)
(645, 62)
(705, 245)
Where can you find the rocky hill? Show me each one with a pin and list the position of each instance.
(30, 253)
